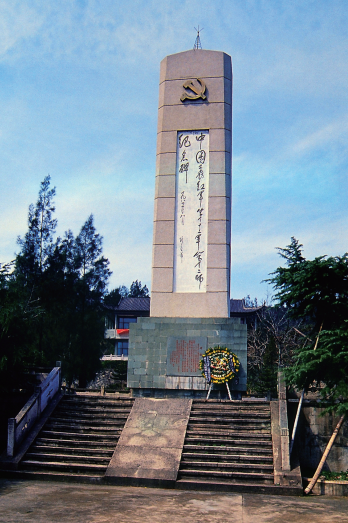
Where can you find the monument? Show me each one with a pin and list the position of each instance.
(190, 294)
(189, 332)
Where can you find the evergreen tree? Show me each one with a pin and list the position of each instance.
(91, 286)
(37, 243)
(137, 291)
(112, 299)
(317, 291)
(50, 305)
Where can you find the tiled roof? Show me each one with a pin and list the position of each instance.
(237, 306)
(143, 304)
(133, 304)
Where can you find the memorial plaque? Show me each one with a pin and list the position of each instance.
(191, 213)
(184, 354)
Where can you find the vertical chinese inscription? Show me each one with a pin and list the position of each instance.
(191, 213)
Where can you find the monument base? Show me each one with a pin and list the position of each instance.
(164, 355)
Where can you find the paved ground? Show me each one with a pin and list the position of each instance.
(50, 502)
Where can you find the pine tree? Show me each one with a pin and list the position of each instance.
(37, 243)
(51, 302)
(137, 291)
(90, 288)
(317, 291)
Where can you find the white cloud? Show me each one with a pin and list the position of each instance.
(109, 32)
(18, 22)
(80, 85)
(332, 132)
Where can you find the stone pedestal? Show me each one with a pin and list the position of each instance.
(164, 354)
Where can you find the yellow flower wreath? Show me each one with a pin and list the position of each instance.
(224, 364)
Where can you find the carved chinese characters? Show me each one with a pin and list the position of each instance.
(184, 354)
(191, 213)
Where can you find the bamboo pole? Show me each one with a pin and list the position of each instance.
(296, 421)
(301, 399)
(317, 340)
(325, 455)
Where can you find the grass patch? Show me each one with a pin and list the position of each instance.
(335, 476)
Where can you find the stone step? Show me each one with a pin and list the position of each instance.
(241, 408)
(256, 403)
(240, 486)
(68, 458)
(78, 440)
(265, 450)
(245, 426)
(87, 422)
(240, 414)
(81, 436)
(235, 466)
(80, 451)
(230, 418)
(87, 411)
(88, 477)
(58, 442)
(231, 408)
(96, 401)
(228, 475)
(207, 432)
(227, 441)
(226, 457)
(92, 411)
(231, 431)
(112, 403)
(80, 428)
(64, 466)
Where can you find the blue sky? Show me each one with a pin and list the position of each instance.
(78, 101)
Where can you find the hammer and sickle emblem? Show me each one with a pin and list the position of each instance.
(198, 92)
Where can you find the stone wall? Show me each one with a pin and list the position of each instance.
(148, 350)
(313, 435)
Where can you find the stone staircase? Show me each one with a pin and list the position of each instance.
(78, 439)
(228, 446)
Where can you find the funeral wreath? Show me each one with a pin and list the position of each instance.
(219, 365)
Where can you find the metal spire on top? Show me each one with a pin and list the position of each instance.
(198, 44)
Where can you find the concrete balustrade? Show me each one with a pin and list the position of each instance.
(19, 427)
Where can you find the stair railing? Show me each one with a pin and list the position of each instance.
(19, 426)
(283, 422)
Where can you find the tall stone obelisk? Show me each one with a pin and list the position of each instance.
(192, 219)
(190, 292)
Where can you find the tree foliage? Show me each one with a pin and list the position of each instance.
(317, 291)
(137, 290)
(51, 298)
(36, 245)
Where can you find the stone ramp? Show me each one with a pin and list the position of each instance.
(149, 449)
